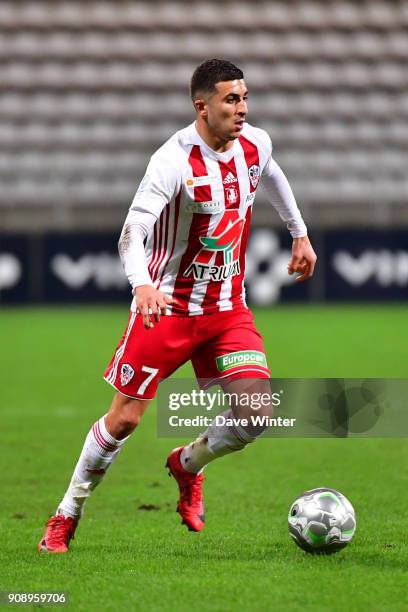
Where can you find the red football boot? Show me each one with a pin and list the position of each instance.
(190, 505)
(60, 531)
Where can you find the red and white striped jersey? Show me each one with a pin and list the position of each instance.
(202, 201)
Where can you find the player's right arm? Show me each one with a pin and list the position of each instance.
(156, 191)
(149, 301)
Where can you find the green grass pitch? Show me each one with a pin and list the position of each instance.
(127, 557)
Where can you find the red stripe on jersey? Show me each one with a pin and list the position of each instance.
(199, 227)
(232, 199)
(230, 183)
(175, 223)
(158, 248)
(154, 251)
(197, 163)
(238, 281)
(251, 157)
(163, 246)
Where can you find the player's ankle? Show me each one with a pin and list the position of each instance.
(195, 456)
(74, 515)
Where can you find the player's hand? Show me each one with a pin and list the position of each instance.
(303, 259)
(151, 303)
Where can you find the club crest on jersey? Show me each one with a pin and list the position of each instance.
(232, 194)
(126, 374)
(218, 258)
(254, 175)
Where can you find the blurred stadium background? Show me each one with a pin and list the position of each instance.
(91, 89)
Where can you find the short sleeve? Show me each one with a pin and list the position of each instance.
(267, 145)
(264, 144)
(158, 187)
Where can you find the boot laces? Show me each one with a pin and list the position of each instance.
(60, 530)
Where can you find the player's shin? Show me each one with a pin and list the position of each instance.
(218, 440)
(233, 429)
(98, 453)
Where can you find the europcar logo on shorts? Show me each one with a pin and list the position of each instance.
(232, 360)
(218, 259)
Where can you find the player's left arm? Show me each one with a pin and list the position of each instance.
(303, 259)
(280, 195)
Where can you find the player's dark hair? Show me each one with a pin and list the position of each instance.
(211, 72)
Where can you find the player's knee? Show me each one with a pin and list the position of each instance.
(125, 415)
(252, 404)
(128, 423)
(131, 414)
(259, 417)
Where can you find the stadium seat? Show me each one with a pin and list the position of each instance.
(90, 91)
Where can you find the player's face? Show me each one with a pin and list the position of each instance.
(226, 109)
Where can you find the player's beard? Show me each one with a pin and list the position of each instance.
(234, 132)
(230, 135)
(224, 133)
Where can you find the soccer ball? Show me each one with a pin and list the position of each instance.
(322, 521)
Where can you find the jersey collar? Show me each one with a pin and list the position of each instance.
(194, 138)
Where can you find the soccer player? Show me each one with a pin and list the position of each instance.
(183, 249)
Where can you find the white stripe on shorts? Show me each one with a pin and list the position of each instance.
(112, 375)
